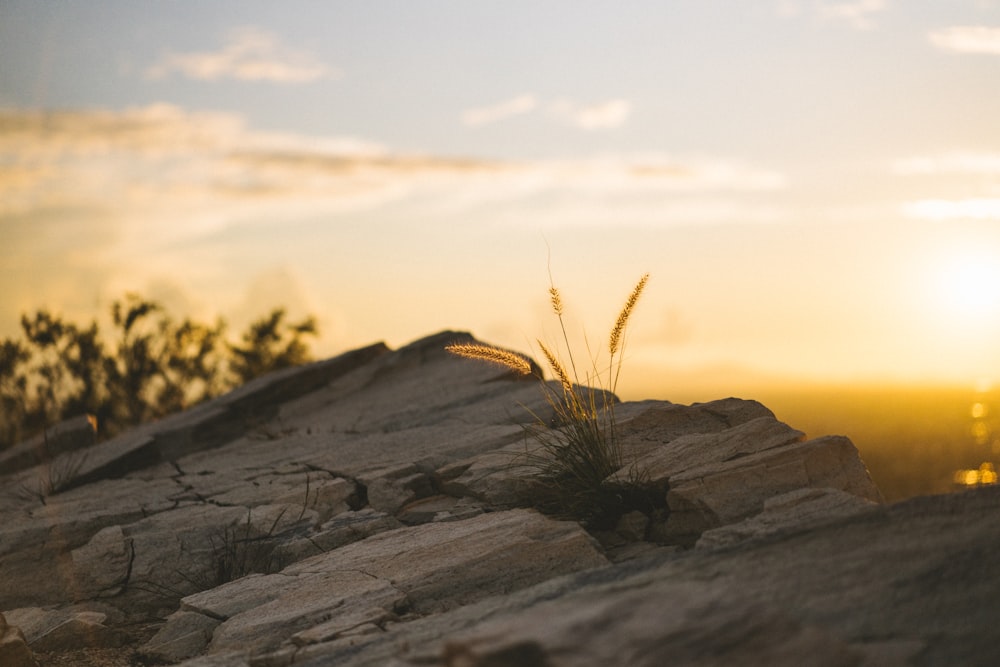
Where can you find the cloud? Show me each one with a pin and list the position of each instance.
(943, 210)
(486, 115)
(250, 54)
(203, 167)
(967, 39)
(128, 199)
(204, 171)
(858, 13)
(603, 115)
(987, 164)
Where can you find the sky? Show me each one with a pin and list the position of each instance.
(812, 185)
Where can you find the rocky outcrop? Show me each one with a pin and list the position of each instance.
(370, 510)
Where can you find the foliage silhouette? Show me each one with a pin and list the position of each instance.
(155, 365)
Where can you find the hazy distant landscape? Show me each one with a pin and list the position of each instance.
(913, 439)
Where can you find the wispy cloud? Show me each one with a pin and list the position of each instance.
(515, 106)
(950, 163)
(967, 39)
(860, 14)
(605, 115)
(161, 157)
(944, 210)
(250, 54)
(600, 116)
(154, 195)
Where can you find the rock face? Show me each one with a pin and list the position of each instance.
(369, 510)
(14, 651)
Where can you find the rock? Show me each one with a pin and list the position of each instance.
(212, 423)
(185, 635)
(198, 547)
(424, 569)
(391, 488)
(102, 565)
(632, 526)
(647, 425)
(69, 435)
(496, 477)
(876, 588)
(343, 529)
(36, 541)
(14, 651)
(725, 475)
(793, 510)
(682, 623)
(440, 508)
(736, 489)
(49, 630)
(362, 511)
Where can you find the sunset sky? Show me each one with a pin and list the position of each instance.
(813, 185)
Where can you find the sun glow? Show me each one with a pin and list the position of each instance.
(967, 288)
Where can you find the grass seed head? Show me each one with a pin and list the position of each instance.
(557, 368)
(557, 304)
(615, 340)
(490, 354)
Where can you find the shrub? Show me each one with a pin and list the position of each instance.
(152, 366)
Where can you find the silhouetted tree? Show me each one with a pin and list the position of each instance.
(13, 390)
(270, 344)
(193, 363)
(154, 368)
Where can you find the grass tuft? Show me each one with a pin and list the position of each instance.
(579, 454)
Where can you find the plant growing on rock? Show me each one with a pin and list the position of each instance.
(580, 452)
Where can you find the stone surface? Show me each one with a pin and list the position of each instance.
(364, 511)
(14, 651)
(48, 630)
(422, 569)
(66, 436)
(184, 635)
(890, 586)
(792, 510)
(675, 623)
(725, 475)
(102, 565)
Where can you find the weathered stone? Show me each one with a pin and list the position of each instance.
(262, 612)
(14, 651)
(102, 566)
(439, 508)
(632, 526)
(48, 630)
(794, 510)
(431, 567)
(192, 548)
(36, 543)
(725, 475)
(700, 499)
(67, 436)
(497, 477)
(648, 425)
(696, 451)
(681, 623)
(267, 526)
(343, 529)
(184, 635)
(391, 488)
